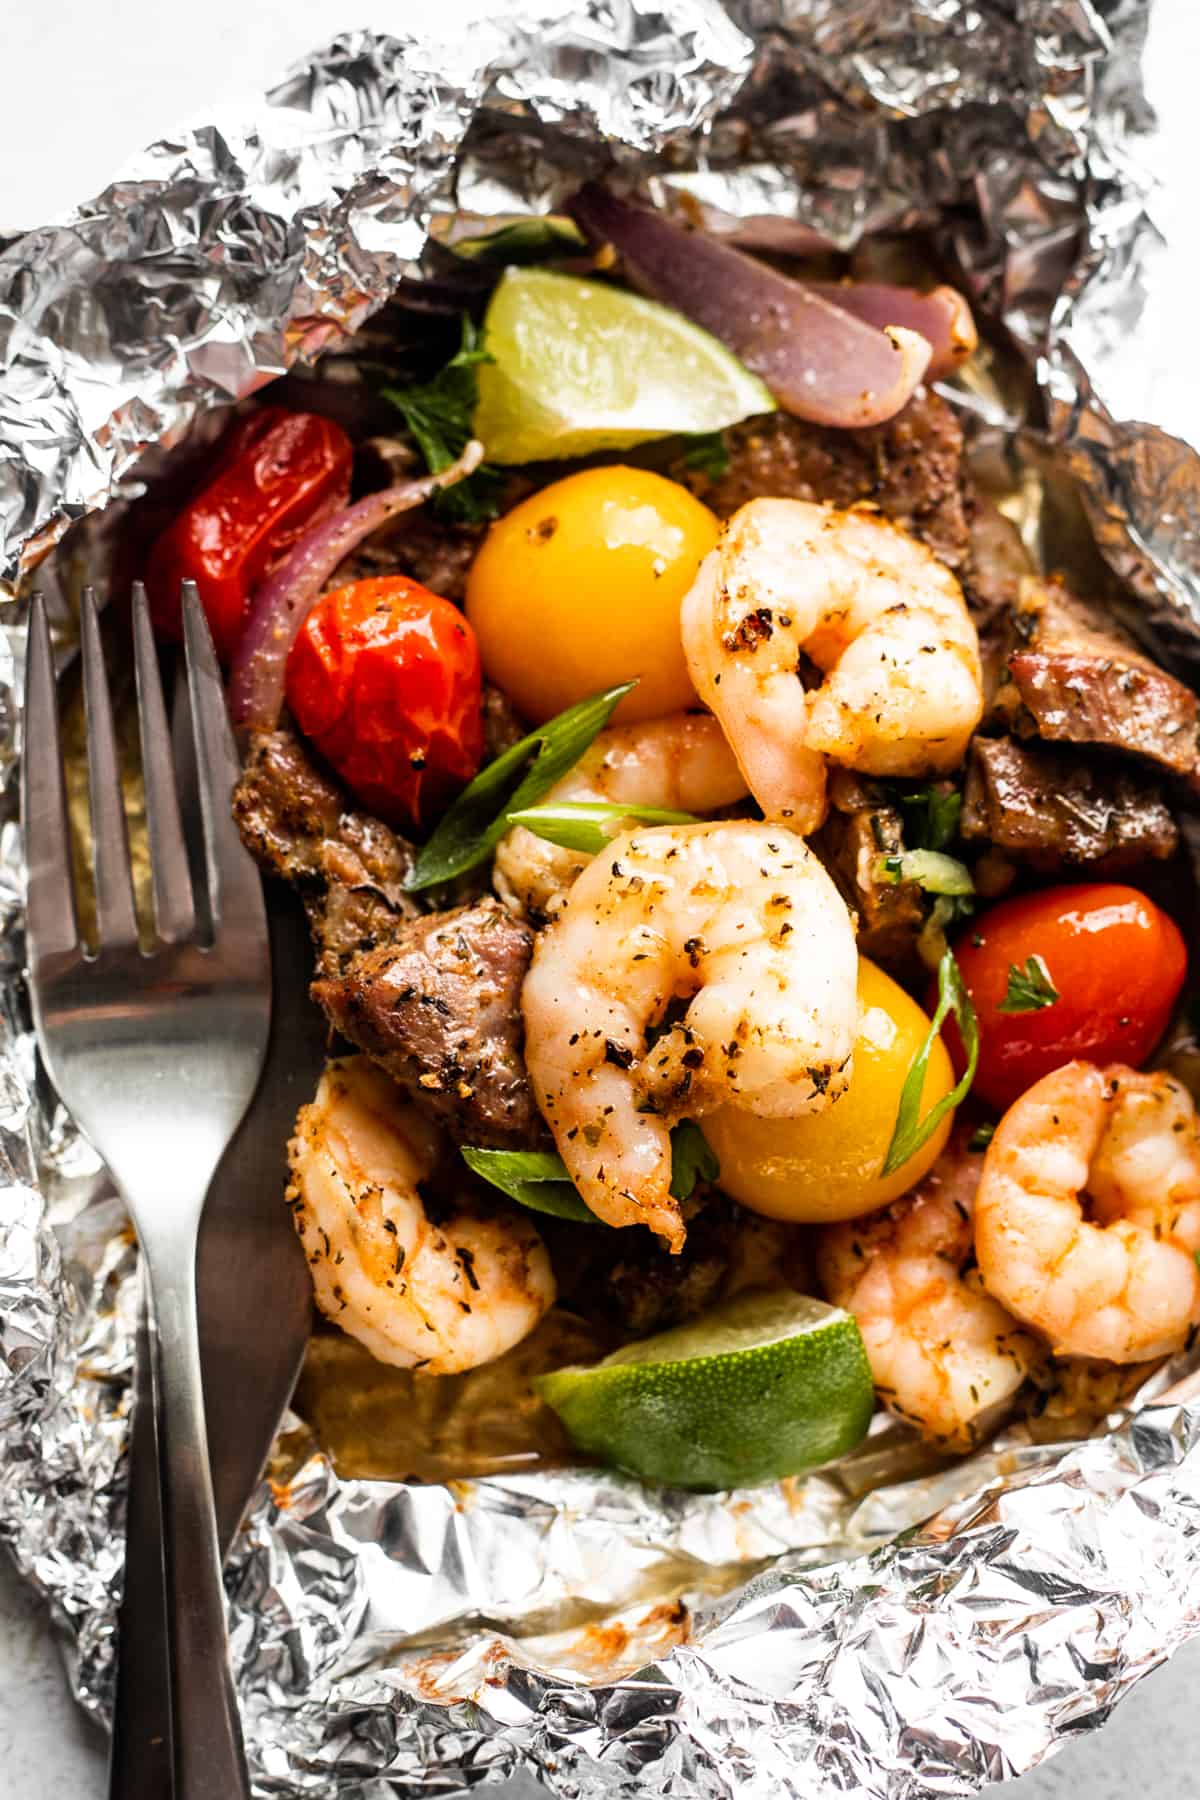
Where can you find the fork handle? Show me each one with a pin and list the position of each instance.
(209, 1759)
(139, 1764)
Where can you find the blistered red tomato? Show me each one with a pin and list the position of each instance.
(385, 680)
(1107, 968)
(275, 474)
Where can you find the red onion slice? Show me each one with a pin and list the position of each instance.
(819, 361)
(282, 602)
(941, 315)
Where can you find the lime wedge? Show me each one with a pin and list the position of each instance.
(579, 366)
(766, 1385)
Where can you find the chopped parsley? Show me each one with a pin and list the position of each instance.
(707, 453)
(693, 1159)
(438, 415)
(931, 816)
(1030, 989)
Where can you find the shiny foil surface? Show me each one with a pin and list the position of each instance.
(888, 1627)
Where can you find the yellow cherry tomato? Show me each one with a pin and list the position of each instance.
(826, 1166)
(579, 588)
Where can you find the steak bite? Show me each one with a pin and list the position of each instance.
(1074, 678)
(350, 869)
(1053, 811)
(436, 552)
(438, 1007)
(910, 468)
(997, 561)
(434, 998)
(864, 827)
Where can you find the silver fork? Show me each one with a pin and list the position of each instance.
(156, 1054)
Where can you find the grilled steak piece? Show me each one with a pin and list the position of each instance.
(630, 1281)
(436, 552)
(438, 1007)
(1075, 679)
(862, 828)
(1052, 811)
(434, 998)
(911, 468)
(349, 868)
(997, 560)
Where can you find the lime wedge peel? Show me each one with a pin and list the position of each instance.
(765, 1385)
(579, 366)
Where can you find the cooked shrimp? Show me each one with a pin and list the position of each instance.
(682, 762)
(740, 920)
(442, 1297)
(944, 1354)
(878, 615)
(1118, 1281)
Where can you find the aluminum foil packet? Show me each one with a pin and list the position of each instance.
(883, 1628)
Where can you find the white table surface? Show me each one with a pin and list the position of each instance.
(85, 85)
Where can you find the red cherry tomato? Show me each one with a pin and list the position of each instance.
(1115, 960)
(276, 474)
(385, 680)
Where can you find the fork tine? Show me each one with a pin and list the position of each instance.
(234, 884)
(53, 926)
(187, 788)
(116, 916)
(174, 913)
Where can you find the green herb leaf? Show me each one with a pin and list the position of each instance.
(693, 1159)
(707, 453)
(1030, 989)
(932, 870)
(981, 1137)
(911, 1130)
(931, 816)
(474, 825)
(524, 240)
(582, 825)
(537, 1179)
(438, 415)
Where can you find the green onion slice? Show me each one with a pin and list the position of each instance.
(932, 870)
(911, 1131)
(518, 779)
(590, 826)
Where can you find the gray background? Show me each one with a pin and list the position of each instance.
(86, 85)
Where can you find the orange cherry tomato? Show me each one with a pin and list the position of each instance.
(385, 680)
(1115, 961)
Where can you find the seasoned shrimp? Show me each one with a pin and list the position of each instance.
(682, 762)
(442, 1297)
(878, 615)
(740, 920)
(1118, 1281)
(944, 1354)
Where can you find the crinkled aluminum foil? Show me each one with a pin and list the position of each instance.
(392, 1639)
